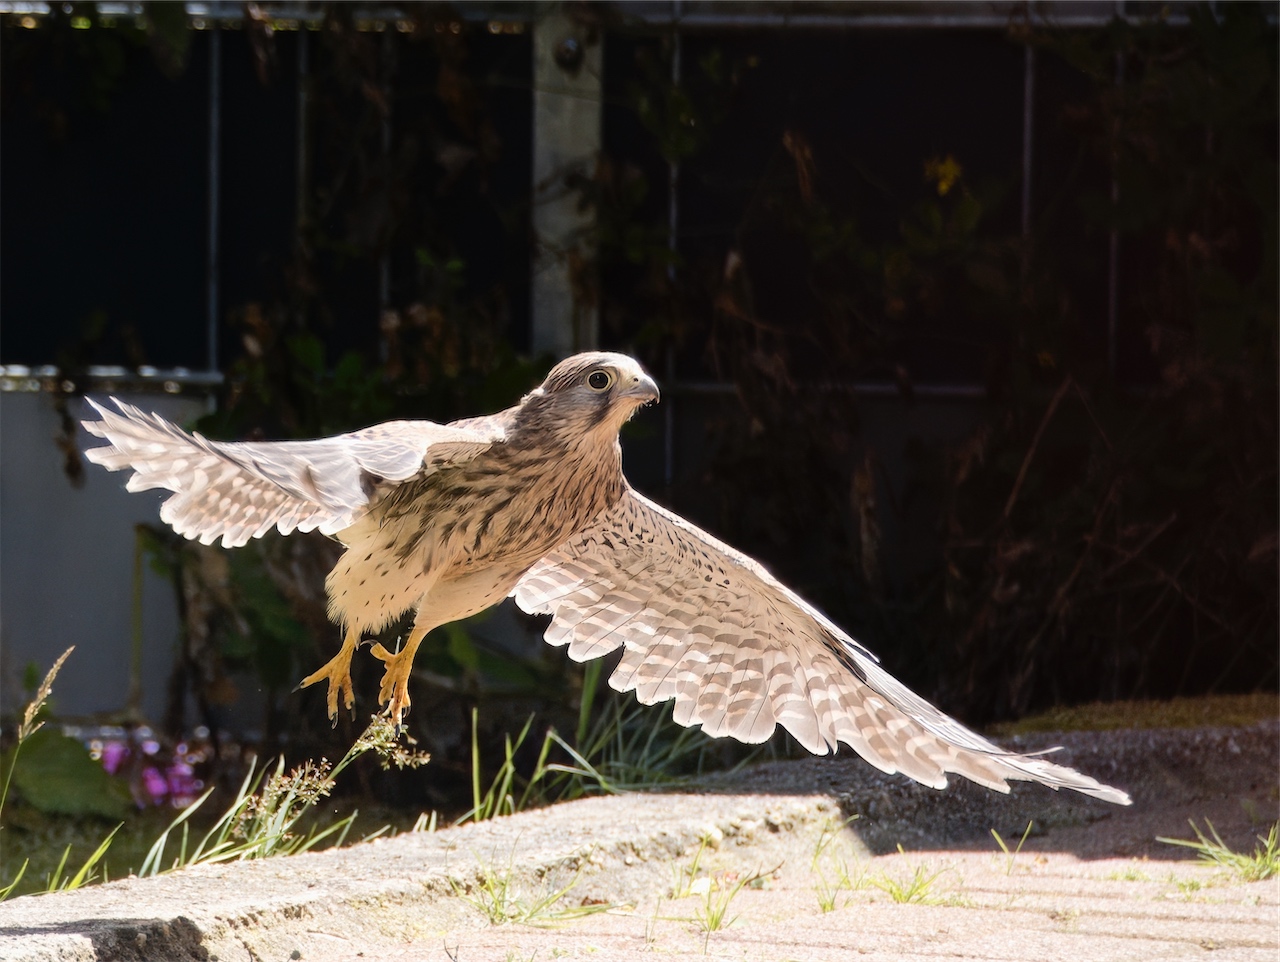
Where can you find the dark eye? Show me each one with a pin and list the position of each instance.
(599, 380)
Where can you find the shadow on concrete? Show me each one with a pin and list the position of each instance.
(129, 940)
(1225, 775)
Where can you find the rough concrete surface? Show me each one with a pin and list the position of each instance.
(1091, 883)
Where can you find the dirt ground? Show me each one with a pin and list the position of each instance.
(787, 861)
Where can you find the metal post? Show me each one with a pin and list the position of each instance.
(1028, 141)
(302, 157)
(212, 265)
(384, 260)
(1113, 237)
(673, 224)
(566, 140)
(302, 162)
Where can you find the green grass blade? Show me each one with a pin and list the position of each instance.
(155, 855)
(8, 889)
(90, 864)
(53, 881)
(590, 684)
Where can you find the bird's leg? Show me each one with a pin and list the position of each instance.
(395, 679)
(338, 671)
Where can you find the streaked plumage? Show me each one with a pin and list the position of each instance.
(531, 502)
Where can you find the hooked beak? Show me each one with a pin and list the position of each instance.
(642, 388)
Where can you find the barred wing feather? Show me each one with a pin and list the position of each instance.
(740, 653)
(240, 490)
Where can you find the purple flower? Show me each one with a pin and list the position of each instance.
(114, 755)
(183, 785)
(154, 783)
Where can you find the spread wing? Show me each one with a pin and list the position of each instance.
(740, 653)
(240, 490)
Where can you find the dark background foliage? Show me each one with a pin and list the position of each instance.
(1103, 526)
(1108, 529)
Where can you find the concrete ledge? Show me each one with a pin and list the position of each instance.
(400, 887)
(401, 894)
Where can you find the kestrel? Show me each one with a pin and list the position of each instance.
(531, 502)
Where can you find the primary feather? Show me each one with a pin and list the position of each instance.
(740, 653)
(240, 490)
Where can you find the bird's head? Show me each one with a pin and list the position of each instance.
(594, 391)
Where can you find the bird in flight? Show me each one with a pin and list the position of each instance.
(531, 502)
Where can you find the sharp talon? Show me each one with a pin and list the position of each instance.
(298, 687)
(337, 673)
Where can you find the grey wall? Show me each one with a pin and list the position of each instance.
(66, 566)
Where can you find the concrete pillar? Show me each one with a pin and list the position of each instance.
(567, 97)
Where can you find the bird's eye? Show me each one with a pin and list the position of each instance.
(599, 380)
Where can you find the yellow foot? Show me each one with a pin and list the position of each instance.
(395, 680)
(338, 673)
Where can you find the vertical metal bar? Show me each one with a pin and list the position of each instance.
(673, 225)
(302, 160)
(133, 699)
(1113, 237)
(384, 261)
(212, 259)
(1028, 141)
(302, 157)
(568, 62)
